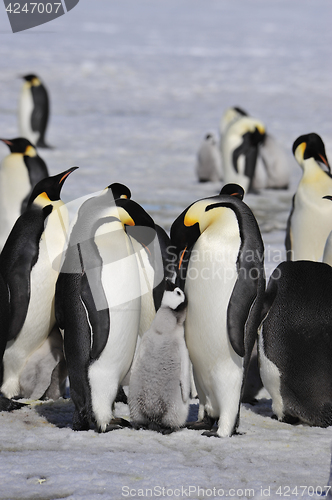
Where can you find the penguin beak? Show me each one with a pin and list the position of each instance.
(328, 197)
(6, 141)
(65, 175)
(326, 163)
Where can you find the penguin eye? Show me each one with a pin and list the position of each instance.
(178, 292)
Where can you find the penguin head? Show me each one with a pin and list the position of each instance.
(20, 145)
(230, 116)
(119, 191)
(233, 190)
(32, 79)
(47, 191)
(173, 298)
(310, 146)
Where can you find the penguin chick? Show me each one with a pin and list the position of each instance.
(310, 220)
(208, 163)
(33, 112)
(160, 380)
(20, 171)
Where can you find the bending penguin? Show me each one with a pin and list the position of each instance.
(221, 265)
(310, 220)
(208, 162)
(160, 377)
(295, 342)
(273, 166)
(239, 149)
(98, 303)
(30, 271)
(33, 110)
(20, 171)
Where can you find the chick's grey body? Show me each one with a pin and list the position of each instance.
(160, 381)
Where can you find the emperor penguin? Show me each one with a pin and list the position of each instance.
(20, 171)
(208, 162)
(29, 266)
(98, 303)
(310, 219)
(160, 377)
(33, 112)
(295, 342)
(221, 268)
(273, 166)
(239, 147)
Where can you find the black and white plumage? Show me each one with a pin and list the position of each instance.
(30, 271)
(98, 302)
(20, 171)
(221, 268)
(310, 220)
(160, 377)
(295, 342)
(34, 110)
(272, 166)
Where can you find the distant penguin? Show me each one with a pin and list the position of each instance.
(221, 265)
(160, 378)
(239, 147)
(310, 220)
(295, 342)
(33, 111)
(19, 173)
(98, 303)
(208, 162)
(30, 272)
(272, 166)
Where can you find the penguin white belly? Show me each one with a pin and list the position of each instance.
(120, 281)
(311, 224)
(270, 376)
(14, 187)
(218, 369)
(38, 323)
(26, 107)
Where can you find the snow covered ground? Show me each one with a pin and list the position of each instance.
(134, 88)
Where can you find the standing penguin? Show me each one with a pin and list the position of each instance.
(310, 220)
(20, 171)
(208, 163)
(295, 342)
(33, 110)
(30, 273)
(221, 264)
(98, 303)
(160, 378)
(239, 147)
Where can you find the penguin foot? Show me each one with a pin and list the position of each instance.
(211, 434)
(10, 405)
(287, 419)
(115, 424)
(201, 425)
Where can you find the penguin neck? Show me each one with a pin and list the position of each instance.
(165, 320)
(312, 172)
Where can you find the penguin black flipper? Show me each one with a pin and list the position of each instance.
(39, 116)
(21, 254)
(99, 320)
(288, 239)
(248, 286)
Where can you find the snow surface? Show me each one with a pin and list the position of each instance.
(134, 88)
